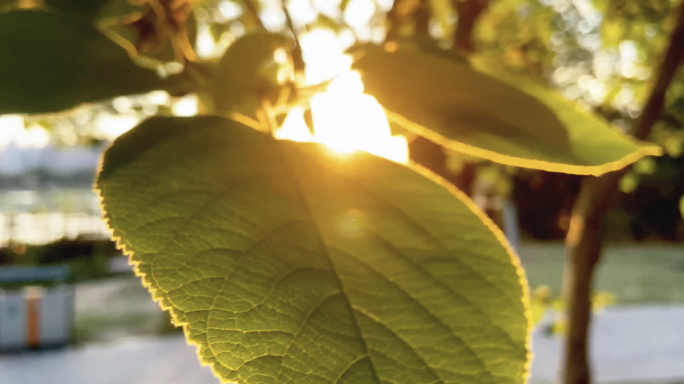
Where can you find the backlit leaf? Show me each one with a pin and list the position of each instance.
(247, 70)
(501, 119)
(290, 263)
(53, 61)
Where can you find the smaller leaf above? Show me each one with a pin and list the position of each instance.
(247, 70)
(499, 118)
(53, 61)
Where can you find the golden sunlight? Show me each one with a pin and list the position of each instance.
(13, 130)
(344, 118)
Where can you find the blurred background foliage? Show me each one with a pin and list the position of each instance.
(598, 53)
(601, 54)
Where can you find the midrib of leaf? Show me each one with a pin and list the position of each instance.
(306, 203)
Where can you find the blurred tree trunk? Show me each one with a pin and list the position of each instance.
(468, 13)
(422, 17)
(584, 240)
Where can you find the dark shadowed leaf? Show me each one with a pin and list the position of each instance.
(290, 263)
(88, 9)
(52, 61)
(95, 11)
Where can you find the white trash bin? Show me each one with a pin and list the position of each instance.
(13, 316)
(36, 316)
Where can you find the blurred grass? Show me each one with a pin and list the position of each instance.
(108, 309)
(106, 327)
(98, 327)
(635, 273)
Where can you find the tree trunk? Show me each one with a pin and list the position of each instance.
(584, 240)
(422, 17)
(583, 251)
(468, 13)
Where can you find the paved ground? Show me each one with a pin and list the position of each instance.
(167, 360)
(107, 310)
(630, 344)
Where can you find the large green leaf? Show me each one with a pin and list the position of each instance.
(289, 263)
(466, 110)
(86, 9)
(53, 61)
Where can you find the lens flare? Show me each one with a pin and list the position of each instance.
(344, 118)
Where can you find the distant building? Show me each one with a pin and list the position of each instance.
(61, 161)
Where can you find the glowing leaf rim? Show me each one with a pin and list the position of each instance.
(593, 170)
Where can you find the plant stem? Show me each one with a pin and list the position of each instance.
(468, 13)
(422, 17)
(584, 240)
(174, 20)
(393, 21)
(252, 9)
(297, 57)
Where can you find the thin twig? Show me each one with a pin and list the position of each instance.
(297, 57)
(468, 13)
(251, 8)
(177, 31)
(422, 18)
(393, 21)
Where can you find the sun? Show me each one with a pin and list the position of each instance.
(344, 118)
